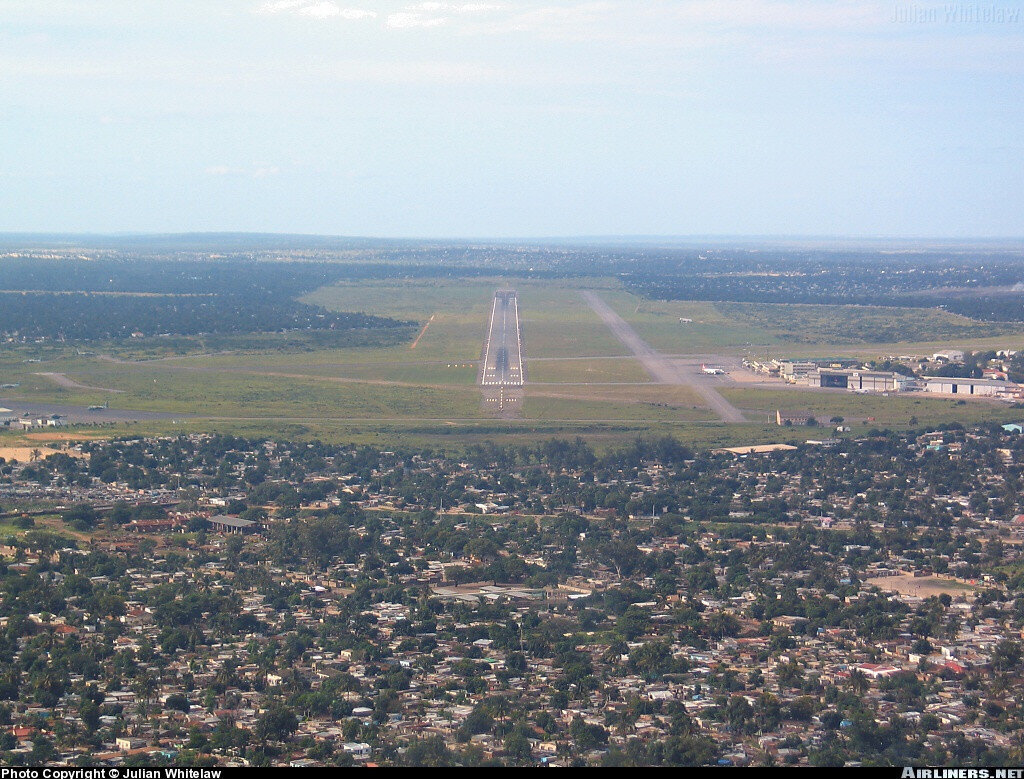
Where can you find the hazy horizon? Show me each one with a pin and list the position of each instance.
(710, 241)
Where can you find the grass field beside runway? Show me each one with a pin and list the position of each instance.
(874, 410)
(288, 386)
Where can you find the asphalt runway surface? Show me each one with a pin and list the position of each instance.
(503, 355)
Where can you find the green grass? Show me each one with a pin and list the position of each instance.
(596, 370)
(548, 405)
(389, 395)
(657, 322)
(455, 436)
(892, 411)
(412, 372)
(802, 330)
(828, 324)
(255, 393)
(555, 320)
(415, 300)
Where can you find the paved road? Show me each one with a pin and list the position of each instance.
(658, 366)
(503, 356)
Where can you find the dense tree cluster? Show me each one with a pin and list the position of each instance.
(112, 299)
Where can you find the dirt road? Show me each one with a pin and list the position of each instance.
(64, 381)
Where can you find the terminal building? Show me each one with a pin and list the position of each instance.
(859, 380)
(796, 372)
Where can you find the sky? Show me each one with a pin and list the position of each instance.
(513, 119)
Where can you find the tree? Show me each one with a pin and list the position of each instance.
(43, 750)
(478, 721)
(277, 723)
(430, 752)
(177, 702)
(587, 736)
(1007, 656)
(81, 517)
(859, 681)
(517, 746)
(515, 663)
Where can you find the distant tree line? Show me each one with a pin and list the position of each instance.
(59, 298)
(86, 317)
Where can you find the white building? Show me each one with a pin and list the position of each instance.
(358, 750)
(944, 385)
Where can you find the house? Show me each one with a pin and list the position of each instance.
(227, 524)
(790, 418)
(358, 750)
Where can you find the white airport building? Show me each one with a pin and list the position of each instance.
(945, 385)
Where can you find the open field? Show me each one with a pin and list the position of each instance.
(661, 369)
(817, 324)
(874, 351)
(920, 587)
(554, 321)
(804, 330)
(873, 410)
(581, 380)
(62, 437)
(609, 402)
(596, 370)
(24, 454)
(658, 323)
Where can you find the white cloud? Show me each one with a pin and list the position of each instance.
(328, 10)
(588, 20)
(784, 14)
(279, 6)
(410, 19)
(318, 9)
(463, 8)
(434, 13)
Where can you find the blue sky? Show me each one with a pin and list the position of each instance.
(492, 118)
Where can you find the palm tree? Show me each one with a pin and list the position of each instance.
(859, 681)
(145, 687)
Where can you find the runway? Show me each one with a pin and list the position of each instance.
(658, 366)
(503, 353)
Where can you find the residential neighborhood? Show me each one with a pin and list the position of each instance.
(305, 604)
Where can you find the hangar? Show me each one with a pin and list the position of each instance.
(944, 385)
(867, 381)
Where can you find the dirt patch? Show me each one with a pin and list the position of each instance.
(422, 332)
(920, 586)
(64, 436)
(23, 454)
(743, 376)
